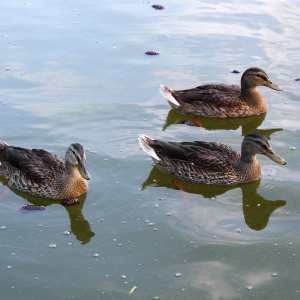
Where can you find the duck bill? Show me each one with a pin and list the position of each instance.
(272, 155)
(274, 86)
(84, 172)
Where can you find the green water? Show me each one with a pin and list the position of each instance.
(76, 72)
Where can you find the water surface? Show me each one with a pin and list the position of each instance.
(76, 72)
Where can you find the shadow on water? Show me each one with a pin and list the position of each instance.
(257, 210)
(248, 124)
(79, 226)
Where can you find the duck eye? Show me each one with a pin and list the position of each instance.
(263, 77)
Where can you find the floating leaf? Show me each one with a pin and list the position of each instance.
(31, 208)
(152, 53)
(133, 289)
(158, 7)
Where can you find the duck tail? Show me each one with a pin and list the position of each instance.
(3, 144)
(145, 143)
(168, 94)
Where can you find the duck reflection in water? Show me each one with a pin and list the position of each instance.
(247, 124)
(79, 226)
(257, 210)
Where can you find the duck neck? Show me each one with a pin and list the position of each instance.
(71, 182)
(253, 98)
(249, 166)
(70, 170)
(71, 175)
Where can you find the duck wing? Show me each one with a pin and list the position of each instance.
(204, 155)
(36, 165)
(213, 94)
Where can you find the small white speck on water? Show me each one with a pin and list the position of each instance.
(67, 232)
(52, 246)
(249, 288)
(240, 230)
(114, 240)
(156, 205)
(3, 227)
(214, 237)
(287, 213)
(155, 229)
(8, 267)
(274, 274)
(161, 198)
(213, 198)
(168, 214)
(96, 255)
(151, 224)
(123, 276)
(292, 148)
(70, 244)
(178, 274)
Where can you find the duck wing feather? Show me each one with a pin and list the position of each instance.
(213, 94)
(36, 165)
(204, 155)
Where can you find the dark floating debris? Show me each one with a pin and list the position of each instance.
(31, 208)
(151, 53)
(158, 7)
(297, 79)
(235, 71)
(187, 122)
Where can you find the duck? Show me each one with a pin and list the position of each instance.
(44, 174)
(210, 162)
(221, 100)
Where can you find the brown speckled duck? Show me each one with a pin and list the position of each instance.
(210, 162)
(44, 174)
(221, 100)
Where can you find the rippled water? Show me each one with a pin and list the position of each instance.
(76, 72)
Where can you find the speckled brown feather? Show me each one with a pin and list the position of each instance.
(205, 162)
(220, 100)
(210, 162)
(40, 173)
